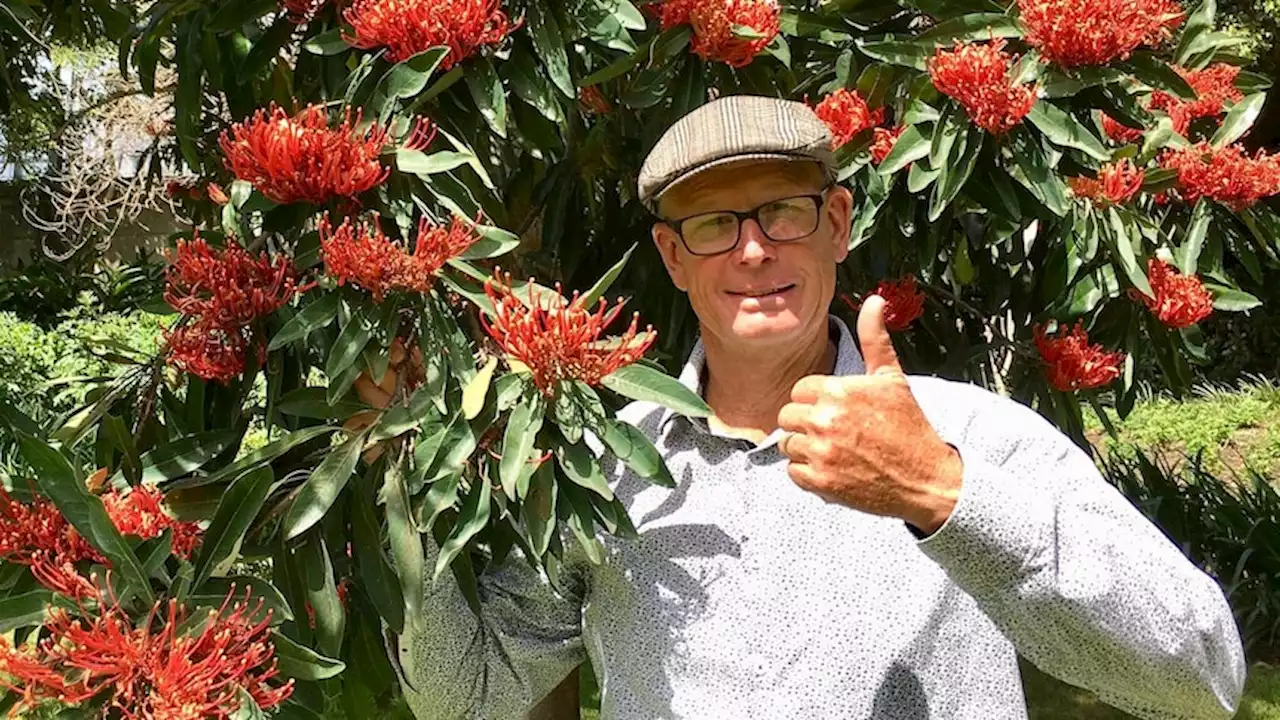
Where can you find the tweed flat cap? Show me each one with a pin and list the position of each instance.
(731, 129)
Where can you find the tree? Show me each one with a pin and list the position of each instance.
(1047, 193)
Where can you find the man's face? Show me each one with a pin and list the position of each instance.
(761, 293)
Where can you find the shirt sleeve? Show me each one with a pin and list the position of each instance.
(1077, 578)
(455, 663)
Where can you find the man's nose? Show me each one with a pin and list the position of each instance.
(754, 246)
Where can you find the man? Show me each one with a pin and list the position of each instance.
(843, 541)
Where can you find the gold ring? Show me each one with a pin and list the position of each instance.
(782, 442)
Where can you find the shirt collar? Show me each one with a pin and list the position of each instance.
(848, 362)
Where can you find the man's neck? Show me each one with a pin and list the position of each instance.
(747, 389)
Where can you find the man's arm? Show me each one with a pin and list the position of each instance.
(1074, 575)
(499, 664)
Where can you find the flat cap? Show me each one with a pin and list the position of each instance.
(731, 129)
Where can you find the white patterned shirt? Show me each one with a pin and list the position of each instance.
(747, 598)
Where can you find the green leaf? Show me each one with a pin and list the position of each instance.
(629, 445)
(472, 518)
(1159, 179)
(473, 395)
(1198, 25)
(410, 77)
(780, 50)
(956, 174)
(486, 89)
(549, 42)
(1059, 83)
(416, 162)
(1189, 251)
(539, 508)
(532, 86)
(232, 15)
(601, 286)
(1031, 168)
(581, 522)
(312, 402)
(303, 663)
(259, 457)
(1230, 299)
(951, 124)
(266, 49)
(517, 443)
(406, 544)
(973, 26)
(442, 496)
(85, 512)
(1065, 130)
(329, 42)
(627, 14)
(1239, 120)
(639, 382)
(1155, 140)
(322, 595)
(1157, 73)
(581, 467)
(1124, 235)
(215, 591)
(319, 313)
(322, 488)
(25, 610)
(493, 241)
(910, 147)
(897, 52)
(617, 68)
(350, 343)
(238, 507)
(185, 455)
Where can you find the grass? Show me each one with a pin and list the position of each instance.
(1234, 428)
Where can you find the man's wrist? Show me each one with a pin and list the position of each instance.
(939, 497)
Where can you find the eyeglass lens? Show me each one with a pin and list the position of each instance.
(781, 220)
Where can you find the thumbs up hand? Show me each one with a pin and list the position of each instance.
(863, 441)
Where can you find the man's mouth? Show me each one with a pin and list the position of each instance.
(763, 292)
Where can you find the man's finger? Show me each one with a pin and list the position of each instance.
(795, 446)
(794, 417)
(873, 336)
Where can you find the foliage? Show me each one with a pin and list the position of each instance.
(348, 242)
(45, 291)
(1227, 525)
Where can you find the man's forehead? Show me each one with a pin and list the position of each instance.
(733, 184)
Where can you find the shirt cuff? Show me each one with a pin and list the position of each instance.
(999, 525)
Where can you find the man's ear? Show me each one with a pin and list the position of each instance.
(668, 244)
(840, 215)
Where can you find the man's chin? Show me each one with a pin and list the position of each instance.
(767, 328)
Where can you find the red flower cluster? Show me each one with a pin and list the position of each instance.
(408, 27)
(1071, 363)
(1120, 133)
(38, 536)
(882, 142)
(714, 22)
(300, 158)
(183, 189)
(1115, 184)
(1227, 174)
(904, 303)
(222, 292)
(1072, 33)
(1214, 86)
(977, 75)
(846, 114)
(1180, 300)
(593, 100)
(362, 254)
(149, 670)
(559, 340)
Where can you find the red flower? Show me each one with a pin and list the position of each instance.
(1071, 363)
(1214, 86)
(207, 351)
(217, 195)
(714, 23)
(1115, 184)
(301, 12)
(977, 75)
(363, 255)
(1096, 32)
(1180, 300)
(1120, 133)
(140, 512)
(559, 340)
(408, 27)
(846, 114)
(1226, 174)
(904, 303)
(882, 142)
(148, 669)
(300, 158)
(593, 100)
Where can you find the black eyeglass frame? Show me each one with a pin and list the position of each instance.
(819, 199)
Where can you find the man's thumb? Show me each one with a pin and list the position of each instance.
(877, 348)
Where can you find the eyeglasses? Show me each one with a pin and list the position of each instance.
(720, 231)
